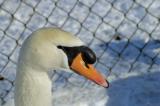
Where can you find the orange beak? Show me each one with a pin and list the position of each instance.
(88, 71)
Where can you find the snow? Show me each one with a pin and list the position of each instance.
(129, 90)
(58, 17)
(134, 15)
(71, 25)
(154, 8)
(103, 30)
(90, 22)
(7, 45)
(142, 90)
(24, 16)
(5, 19)
(36, 22)
(114, 17)
(15, 29)
(124, 5)
(69, 4)
(82, 12)
(148, 23)
(102, 6)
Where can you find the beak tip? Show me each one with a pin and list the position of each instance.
(105, 84)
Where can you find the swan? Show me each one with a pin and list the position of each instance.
(50, 49)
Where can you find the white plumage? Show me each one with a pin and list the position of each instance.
(38, 55)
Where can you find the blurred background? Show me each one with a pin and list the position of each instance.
(125, 35)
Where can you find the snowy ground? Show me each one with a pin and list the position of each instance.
(125, 35)
(128, 90)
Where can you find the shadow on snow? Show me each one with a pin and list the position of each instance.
(140, 90)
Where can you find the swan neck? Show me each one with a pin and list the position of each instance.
(32, 88)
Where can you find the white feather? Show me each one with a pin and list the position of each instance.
(38, 55)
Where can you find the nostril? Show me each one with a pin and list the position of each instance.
(86, 65)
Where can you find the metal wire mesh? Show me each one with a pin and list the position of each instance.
(124, 34)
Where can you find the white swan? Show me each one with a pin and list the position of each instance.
(47, 49)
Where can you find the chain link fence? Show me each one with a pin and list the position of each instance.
(125, 34)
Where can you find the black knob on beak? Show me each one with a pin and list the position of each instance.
(88, 55)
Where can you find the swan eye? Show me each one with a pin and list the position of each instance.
(88, 56)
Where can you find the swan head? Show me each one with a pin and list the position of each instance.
(51, 48)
